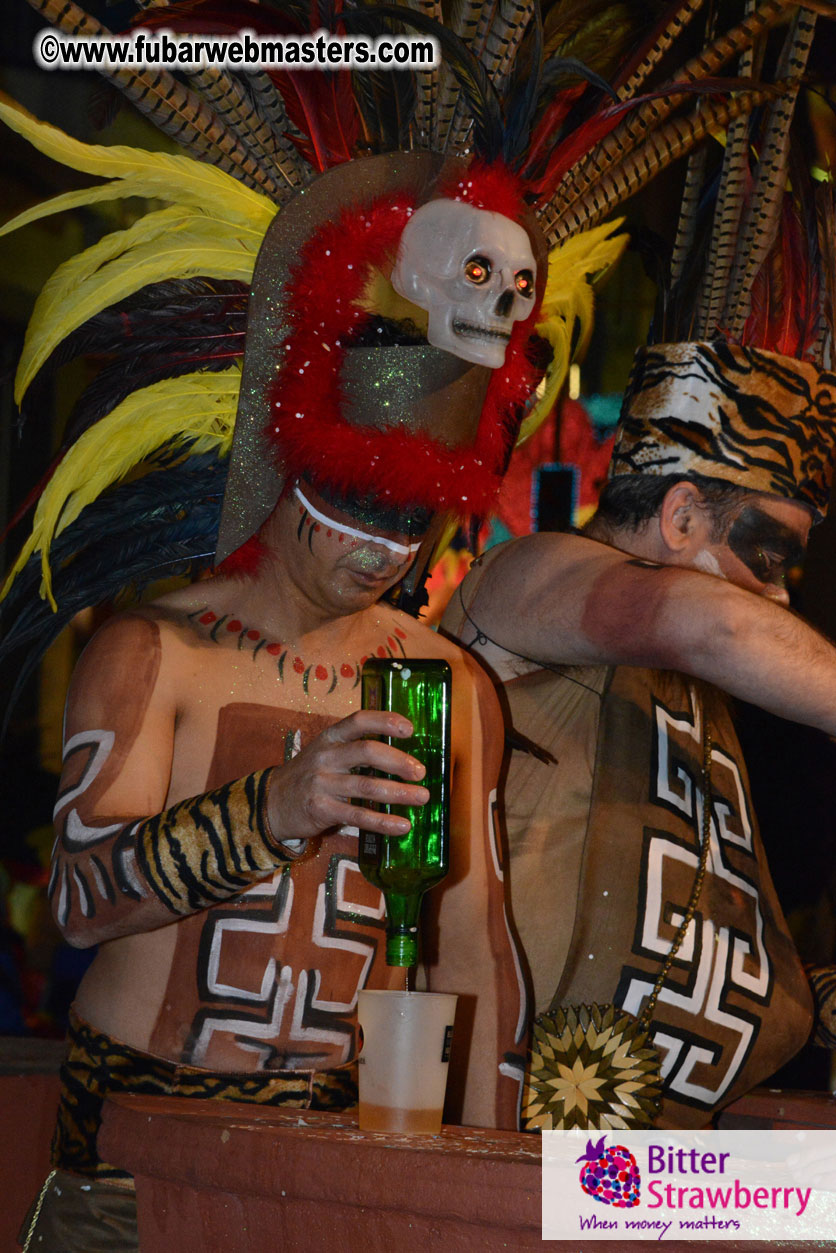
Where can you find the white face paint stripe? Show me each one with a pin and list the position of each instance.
(402, 550)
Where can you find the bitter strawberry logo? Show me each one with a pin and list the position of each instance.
(610, 1175)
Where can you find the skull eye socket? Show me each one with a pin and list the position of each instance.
(477, 270)
(524, 283)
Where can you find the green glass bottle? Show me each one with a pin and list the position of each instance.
(404, 866)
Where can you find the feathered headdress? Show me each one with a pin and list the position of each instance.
(733, 384)
(510, 124)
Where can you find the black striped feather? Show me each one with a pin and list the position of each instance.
(235, 109)
(726, 230)
(687, 225)
(761, 218)
(727, 214)
(647, 57)
(663, 146)
(652, 113)
(481, 99)
(504, 38)
(825, 210)
(463, 22)
(270, 107)
(172, 107)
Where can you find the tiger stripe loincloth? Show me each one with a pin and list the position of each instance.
(97, 1067)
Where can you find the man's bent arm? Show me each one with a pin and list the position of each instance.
(116, 871)
(578, 602)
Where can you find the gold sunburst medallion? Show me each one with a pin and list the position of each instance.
(591, 1066)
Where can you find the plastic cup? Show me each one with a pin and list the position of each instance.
(404, 1059)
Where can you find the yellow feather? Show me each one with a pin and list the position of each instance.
(196, 409)
(217, 218)
(69, 200)
(212, 216)
(168, 243)
(166, 175)
(379, 297)
(444, 540)
(123, 189)
(569, 300)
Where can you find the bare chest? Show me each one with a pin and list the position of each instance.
(246, 702)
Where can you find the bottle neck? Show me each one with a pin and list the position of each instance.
(402, 948)
(402, 916)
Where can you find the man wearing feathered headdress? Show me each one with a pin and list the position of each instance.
(639, 885)
(395, 319)
(409, 317)
(217, 767)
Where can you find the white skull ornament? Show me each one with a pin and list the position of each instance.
(474, 273)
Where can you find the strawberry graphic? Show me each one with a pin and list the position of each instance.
(610, 1174)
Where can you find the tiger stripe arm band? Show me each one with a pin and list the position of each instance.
(206, 849)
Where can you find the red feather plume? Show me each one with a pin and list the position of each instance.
(784, 315)
(246, 560)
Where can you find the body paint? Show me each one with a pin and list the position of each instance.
(219, 627)
(400, 550)
(708, 563)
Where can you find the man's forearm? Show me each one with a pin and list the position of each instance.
(119, 879)
(578, 602)
(748, 645)
(758, 651)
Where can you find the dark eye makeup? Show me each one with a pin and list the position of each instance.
(765, 546)
(370, 513)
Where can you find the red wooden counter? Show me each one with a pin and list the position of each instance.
(239, 1179)
(259, 1180)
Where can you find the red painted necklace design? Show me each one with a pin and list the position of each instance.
(250, 639)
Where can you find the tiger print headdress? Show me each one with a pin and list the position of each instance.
(138, 486)
(735, 387)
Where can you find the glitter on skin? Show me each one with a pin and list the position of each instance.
(401, 550)
(370, 561)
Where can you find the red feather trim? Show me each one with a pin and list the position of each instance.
(550, 157)
(323, 107)
(543, 135)
(245, 560)
(567, 153)
(307, 427)
(492, 187)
